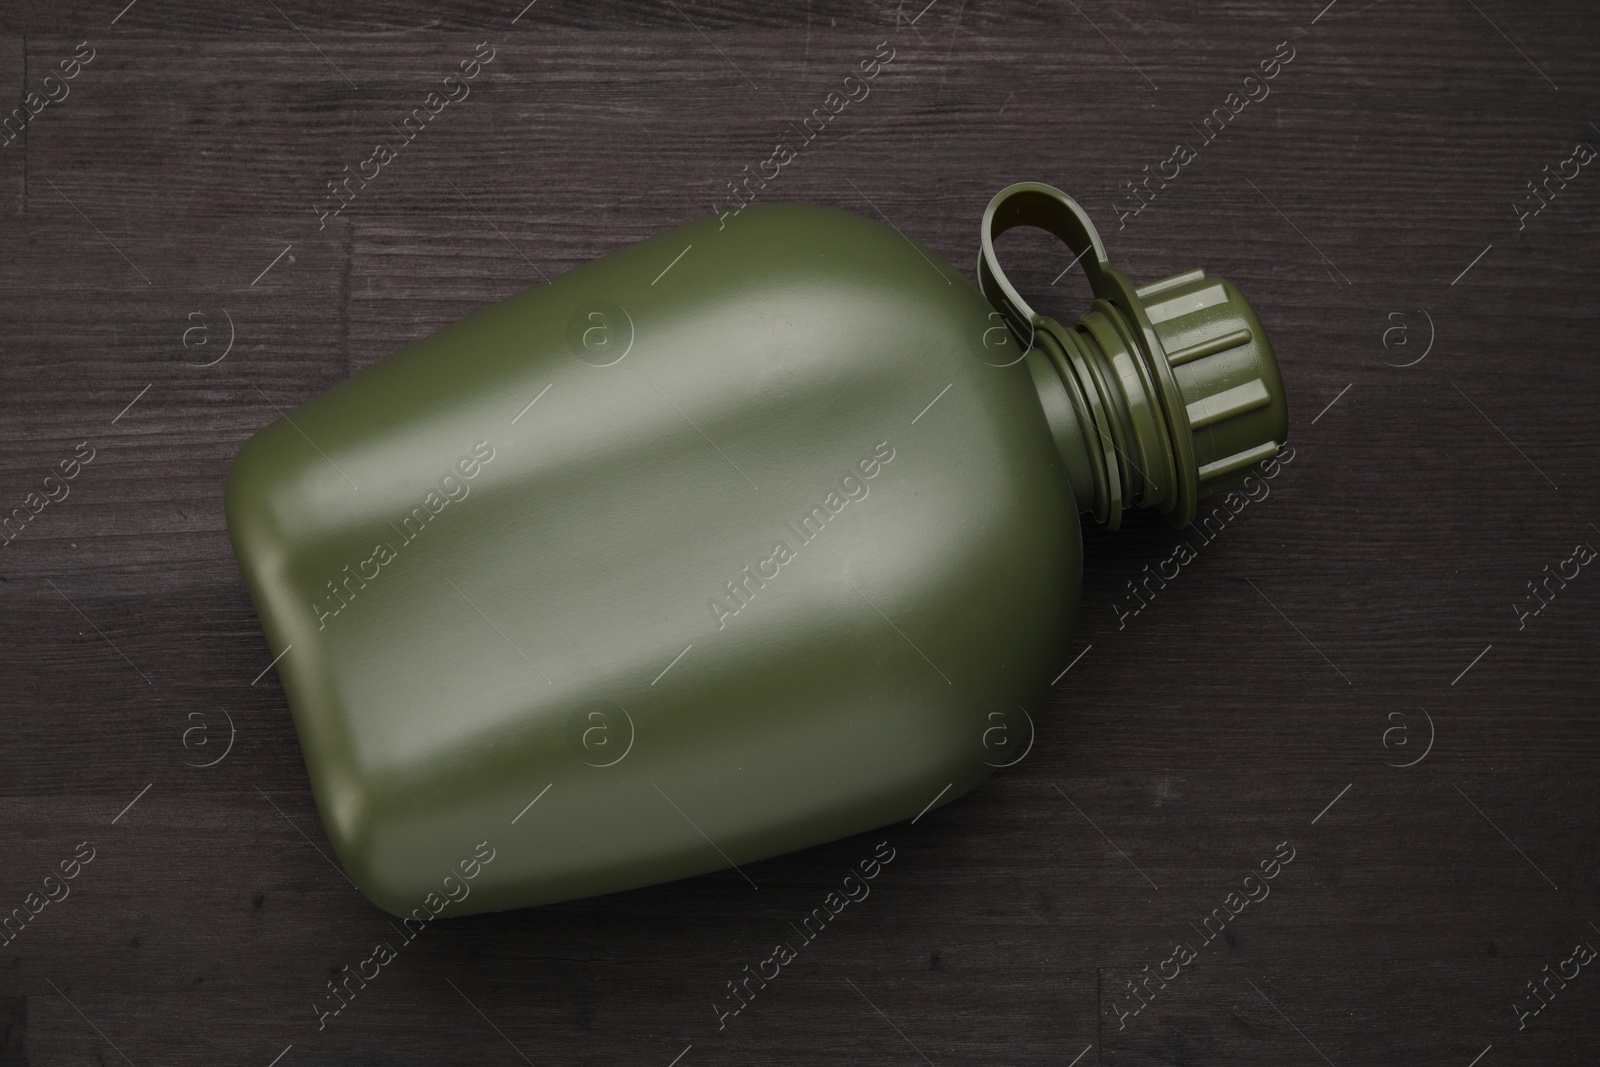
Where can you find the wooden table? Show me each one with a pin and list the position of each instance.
(1348, 671)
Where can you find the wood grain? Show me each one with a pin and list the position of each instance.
(1369, 593)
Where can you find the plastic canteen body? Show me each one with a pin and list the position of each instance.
(751, 536)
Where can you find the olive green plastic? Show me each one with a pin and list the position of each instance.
(1172, 386)
(751, 536)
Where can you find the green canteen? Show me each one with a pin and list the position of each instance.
(748, 537)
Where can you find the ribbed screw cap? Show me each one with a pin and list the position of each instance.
(1224, 368)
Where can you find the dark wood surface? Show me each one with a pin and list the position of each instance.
(1266, 695)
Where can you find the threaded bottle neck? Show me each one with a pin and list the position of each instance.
(1160, 394)
(1105, 414)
